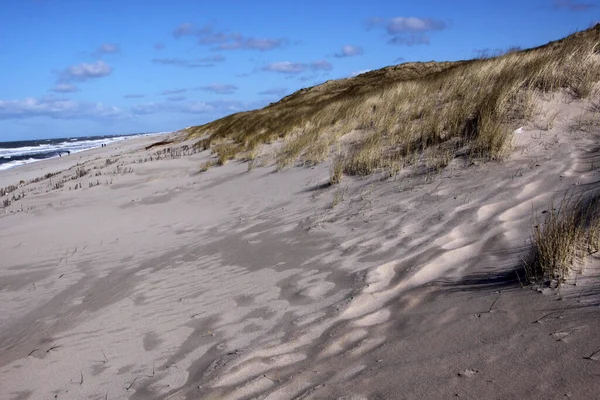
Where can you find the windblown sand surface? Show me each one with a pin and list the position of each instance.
(161, 282)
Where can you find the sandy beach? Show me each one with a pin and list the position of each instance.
(142, 278)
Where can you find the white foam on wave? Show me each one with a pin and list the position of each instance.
(12, 164)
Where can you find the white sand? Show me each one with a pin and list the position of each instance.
(162, 282)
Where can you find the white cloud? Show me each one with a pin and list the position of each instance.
(285, 67)
(84, 71)
(58, 108)
(413, 24)
(349, 51)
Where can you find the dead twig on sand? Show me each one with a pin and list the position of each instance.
(493, 304)
(131, 384)
(278, 380)
(55, 347)
(140, 376)
(591, 356)
(539, 320)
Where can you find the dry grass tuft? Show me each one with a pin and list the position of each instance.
(226, 152)
(569, 233)
(202, 145)
(585, 122)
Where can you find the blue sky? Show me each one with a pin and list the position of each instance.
(73, 67)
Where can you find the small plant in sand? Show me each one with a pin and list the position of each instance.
(561, 242)
(251, 158)
(338, 197)
(336, 170)
(547, 120)
(57, 185)
(205, 166)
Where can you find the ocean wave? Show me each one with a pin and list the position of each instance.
(37, 150)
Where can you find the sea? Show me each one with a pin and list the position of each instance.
(14, 154)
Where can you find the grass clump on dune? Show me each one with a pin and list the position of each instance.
(561, 242)
(405, 111)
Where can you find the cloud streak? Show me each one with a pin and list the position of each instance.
(174, 91)
(410, 40)
(287, 67)
(205, 62)
(223, 40)
(107, 48)
(219, 107)
(279, 92)
(64, 88)
(219, 88)
(184, 29)
(407, 31)
(573, 5)
(251, 44)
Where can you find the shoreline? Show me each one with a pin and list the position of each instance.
(26, 172)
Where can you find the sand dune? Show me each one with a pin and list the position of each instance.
(152, 280)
